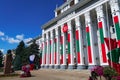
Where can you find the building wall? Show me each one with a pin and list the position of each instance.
(82, 43)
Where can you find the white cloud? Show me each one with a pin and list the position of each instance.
(3, 39)
(2, 33)
(20, 37)
(12, 40)
(2, 50)
(27, 40)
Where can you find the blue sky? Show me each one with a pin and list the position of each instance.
(22, 20)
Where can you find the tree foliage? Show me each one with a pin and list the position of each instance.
(23, 53)
(34, 49)
(1, 58)
(19, 55)
(20, 48)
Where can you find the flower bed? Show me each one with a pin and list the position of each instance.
(107, 72)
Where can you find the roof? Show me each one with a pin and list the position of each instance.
(73, 8)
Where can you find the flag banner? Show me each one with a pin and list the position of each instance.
(32, 57)
(111, 43)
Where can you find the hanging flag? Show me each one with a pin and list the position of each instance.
(89, 45)
(77, 46)
(117, 27)
(61, 42)
(111, 43)
(32, 57)
(69, 57)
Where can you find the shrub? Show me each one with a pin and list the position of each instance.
(109, 72)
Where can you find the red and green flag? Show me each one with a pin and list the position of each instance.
(77, 46)
(50, 50)
(69, 57)
(88, 44)
(117, 28)
(55, 54)
(45, 53)
(61, 42)
(100, 27)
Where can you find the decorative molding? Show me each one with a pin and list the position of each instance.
(93, 6)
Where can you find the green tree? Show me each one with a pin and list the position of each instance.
(22, 54)
(25, 56)
(1, 58)
(19, 52)
(20, 48)
(34, 49)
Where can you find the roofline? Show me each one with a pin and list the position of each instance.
(67, 2)
(73, 8)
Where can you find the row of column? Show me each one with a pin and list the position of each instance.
(51, 46)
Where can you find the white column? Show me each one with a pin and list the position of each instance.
(43, 52)
(57, 48)
(90, 40)
(52, 50)
(70, 41)
(63, 65)
(55, 13)
(102, 34)
(47, 54)
(115, 9)
(80, 53)
(76, 1)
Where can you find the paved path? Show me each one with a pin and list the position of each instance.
(50, 74)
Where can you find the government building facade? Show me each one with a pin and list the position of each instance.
(74, 39)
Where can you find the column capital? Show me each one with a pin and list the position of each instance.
(77, 22)
(57, 31)
(57, 28)
(99, 11)
(51, 34)
(43, 30)
(76, 1)
(47, 35)
(113, 1)
(87, 18)
(87, 14)
(99, 8)
(69, 22)
(114, 6)
(69, 25)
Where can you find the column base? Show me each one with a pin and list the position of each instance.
(51, 66)
(46, 66)
(104, 65)
(80, 67)
(57, 66)
(90, 66)
(42, 66)
(70, 66)
(63, 66)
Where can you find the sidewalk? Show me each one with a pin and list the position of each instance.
(54, 74)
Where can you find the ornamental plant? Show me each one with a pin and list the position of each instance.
(98, 70)
(116, 78)
(109, 72)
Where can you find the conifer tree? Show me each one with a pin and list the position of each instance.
(19, 56)
(1, 58)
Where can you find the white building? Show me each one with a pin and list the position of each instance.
(76, 35)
